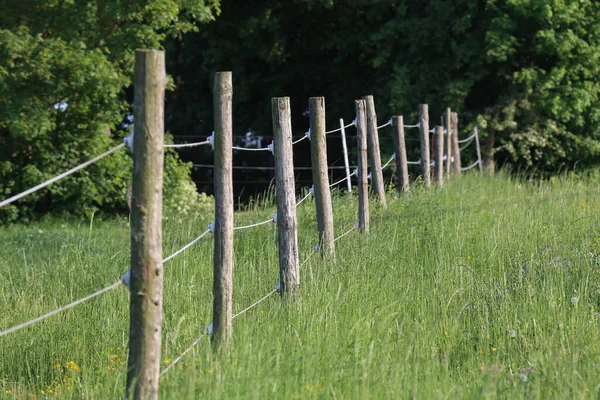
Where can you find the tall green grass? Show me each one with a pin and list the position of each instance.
(485, 288)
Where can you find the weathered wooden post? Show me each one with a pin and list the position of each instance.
(400, 153)
(456, 164)
(424, 130)
(448, 128)
(439, 155)
(346, 162)
(479, 151)
(287, 225)
(146, 282)
(318, 154)
(375, 157)
(363, 184)
(223, 231)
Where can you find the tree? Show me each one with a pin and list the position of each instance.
(65, 70)
(525, 71)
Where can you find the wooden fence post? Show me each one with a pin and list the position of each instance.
(448, 129)
(318, 155)
(424, 130)
(146, 283)
(363, 184)
(223, 231)
(456, 164)
(400, 152)
(373, 137)
(287, 225)
(346, 162)
(479, 151)
(439, 155)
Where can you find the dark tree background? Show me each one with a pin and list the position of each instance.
(524, 71)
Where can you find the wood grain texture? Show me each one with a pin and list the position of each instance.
(424, 131)
(223, 189)
(448, 128)
(438, 169)
(318, 153)
(146, 284)
(287, 225)
(402, 180)
(374, 151)
(456, 164)
(363, 184)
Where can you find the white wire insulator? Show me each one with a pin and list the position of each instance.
(211, 228)
(369, 176)
(277, 287)
(271, 147)
(355, 172)
(126, 278)
(211, 140)
(316, 247)
(393, 156)
(128, 141)
(357, 225)
(432, 163)
(312, 190)
(209, 329)
(274, 219)
(445, 157)
(307, 134)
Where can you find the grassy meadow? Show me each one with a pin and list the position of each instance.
(486, 288)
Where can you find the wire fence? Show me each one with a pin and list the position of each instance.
(126, 278)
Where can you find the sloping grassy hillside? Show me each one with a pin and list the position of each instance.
(488, 287)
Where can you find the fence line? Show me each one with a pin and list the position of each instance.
(124, 280)
(423, 124)
(207, 330)
(59, 177)
(334, 167)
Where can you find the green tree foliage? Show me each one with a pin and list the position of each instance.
(526, 71)
(65, 70)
